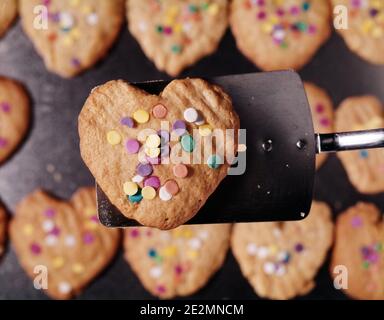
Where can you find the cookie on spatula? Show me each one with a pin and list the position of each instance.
(359, 249)
(77, 35)
(158, 158)
(176, 262)
(14, 116)
(8, 12)
(281, 259)
(176, 34)
(65, 237)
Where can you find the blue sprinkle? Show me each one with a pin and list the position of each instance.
(364, 154)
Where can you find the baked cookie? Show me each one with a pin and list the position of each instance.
(8, 12)
(65, 237)
(177, 262)
(14, 116)
(365, 33)
(177, 33)
(365, 168)
(322, 114)
(359, 247)
(3, 229)
(281, 259)
(154, 156)
(277, 34)
(78, 34)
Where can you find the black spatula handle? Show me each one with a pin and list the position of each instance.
(355, 140)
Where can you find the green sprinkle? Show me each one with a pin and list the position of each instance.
(365, 264)
(159, 29)
(306, 6)
(214, 161)
(193, 8)
(284, 45)
(136, 198)
(302, 26)
(205, 6)
(187, 143)
(176, 48)
(158, 259)
(379, 247)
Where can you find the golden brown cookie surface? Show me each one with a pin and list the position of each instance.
(365, 33)
(278, 35)
(78, 34)
(177, 33)
(322, 114)
(65, 237)
(359, 248)
(14, 116)
(131, 141)
(365, 168)
(280, 260)
(176, 262)
(8, 12)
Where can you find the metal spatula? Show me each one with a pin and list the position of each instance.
(274, 177)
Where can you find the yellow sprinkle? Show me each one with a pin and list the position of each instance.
(148, 193)
(377, 4)
(187, 233)
(58, 262)
(74, 3)
(86, 9)
(75, 33)
(130, 188)
(90, 225)
(213, 9)
(367, 26)
(67, 41)
(192, 254)
(273, 249)
(153, 141)
(205, 130)
(78, 268)
(377, 32)
(173, 10)
(169, 251)
(178, 28)
(169, 20)
(273, 19)
(267, 27)
(28, 229)
(177, 233)
(89, 212)
(113, 137)
(152, 152)
(141, 116)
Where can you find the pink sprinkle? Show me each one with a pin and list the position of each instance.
(178, 269)
(46, 2)
(49, 213)
(295, 10)
(5, 106)
(167, 30)
(35, 249)
(312, 29)
(160, 289)
(95, 219)
(260, 3)
(261, 15)
(153, 161)
(88, 238)
(149, 233)
(153, 182)
(55, 231)
(324, 122)
(3, 143)
(319, 108)
(135, 233)
(356, 3)
(280, 12)
(356, 222)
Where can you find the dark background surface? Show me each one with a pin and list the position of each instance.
(53, 140)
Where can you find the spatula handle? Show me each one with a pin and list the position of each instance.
(355, 140)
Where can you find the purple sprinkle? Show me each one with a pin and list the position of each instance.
(178, 269)
(373, 12)
(5, 106)
(132, 146)
(280, 12)
(88, 238)
(76, 62)
(95, 219)
(127, 121)
(179, 127)
(356, 222)
(260, 2)
(55, 17)
(161, 289)
(35, 249)
(3, 143)
(356, 3)
(324, 122)
(295, 10)
(153, 182)
(134, 233)
(55, 231)
(49, 213)
(373, 257)
(261, 15)
(365, 251)
(153, 161)
(144, 169)
(299, 247)
(164, 137)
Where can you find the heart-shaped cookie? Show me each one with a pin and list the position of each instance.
(8, 12)
(278, 35)
(3, 229)
(365, 32)
(176, 262)
(322, 114)
(76, 34)
(154, 156)
(280, 260)
(365, 168)
(14, 116)
(176, 34)
(65, 237)
(359, 249)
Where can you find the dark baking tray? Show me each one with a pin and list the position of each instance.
(53, 140)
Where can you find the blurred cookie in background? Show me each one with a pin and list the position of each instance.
(175, 34)
(76, 35)
(176, 262)
(277, 34)
(281, 259)
(65, 237)
(8, 12)
(365, 168)
(365, 33)
(359, 250)
(322, 114)
(14, 116)
(3, 229)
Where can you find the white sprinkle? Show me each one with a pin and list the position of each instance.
(262, 252)
(191, 115)
(279, 34)
(50, 240)
(70, 241)
(282, 256)
(164, 195)
(276, 233)
(252, 249)
(195, 243)
(64, 287)
(93, 19)
(66, 20)
(187, 27)
(48, 225)
(143, 26)
(280, 270)
(269, 268)
(155, 272)
(137, 179)
(204, 234)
